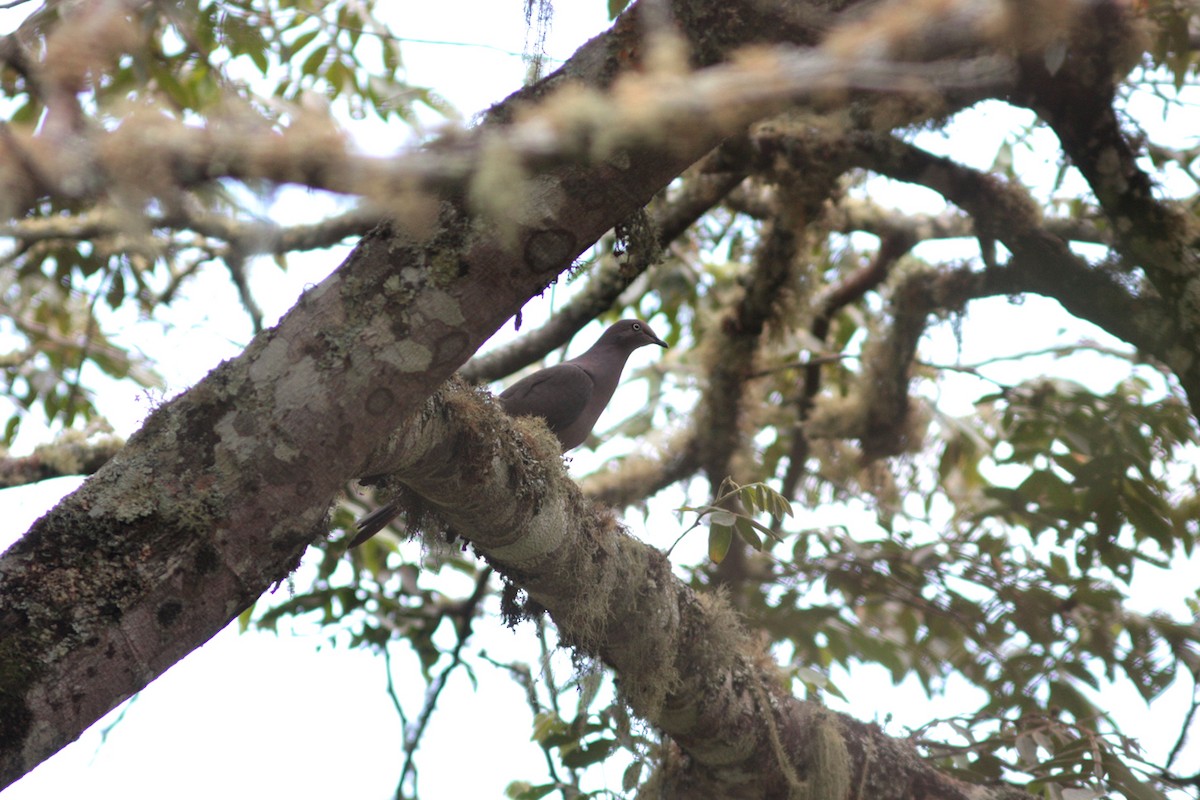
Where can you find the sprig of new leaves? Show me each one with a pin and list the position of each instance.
(725, 518)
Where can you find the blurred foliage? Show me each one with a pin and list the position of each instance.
(194, 60)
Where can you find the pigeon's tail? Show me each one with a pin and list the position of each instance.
(373, 523)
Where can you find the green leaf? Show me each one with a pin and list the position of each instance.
(302, 41)
(589, 687)
(116, 290)
(392, 60)
(312, 65)
(1046, 488)
(27, 114)
(720, 516)
(245, 618)
(591, 753)
(720, 538)
(547, 724)
(259, 57)
(1070, 699)
(747, 533)
(1122, 778)
(521, 790)
(764, 530)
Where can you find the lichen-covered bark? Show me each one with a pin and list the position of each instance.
(684, 661)
(217, 496)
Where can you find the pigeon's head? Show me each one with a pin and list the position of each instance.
(630, 334)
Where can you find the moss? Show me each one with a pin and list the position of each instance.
(638, 244)
(829, 770)
(516, 606)
(446, 266)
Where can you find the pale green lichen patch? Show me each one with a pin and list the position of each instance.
(299, 388)
(286, 452)
(392, 284)
(442, 306)
(131, 501)
(271, 362)
(226, 429)
(408, 356)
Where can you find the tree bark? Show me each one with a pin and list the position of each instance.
(217, 496)
(684, 661)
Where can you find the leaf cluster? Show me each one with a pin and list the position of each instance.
(72, 265)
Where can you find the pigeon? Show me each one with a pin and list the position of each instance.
(569, 396)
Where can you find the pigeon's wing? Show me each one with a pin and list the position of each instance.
(558, 394)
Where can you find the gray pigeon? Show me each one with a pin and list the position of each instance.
(569, 396)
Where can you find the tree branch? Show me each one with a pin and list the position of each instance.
(700, 192)
(1042, 262)
(685, 663)
(849, 290)
(1156, 235)
(156, 156)
(72, 454)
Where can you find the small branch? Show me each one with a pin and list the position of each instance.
(71, 454)
(855, 214)
(251, 237)
(1185, 728)
(851, 289)
(701, 191)
(1041, 262)
(236, 264)
(392, 693)
(1057, 350)
(463, 617)
(524, 678)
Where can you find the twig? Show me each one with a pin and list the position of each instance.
(464, 615)
(1187, 724)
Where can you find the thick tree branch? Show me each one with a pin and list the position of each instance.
(72, 454)
(684, 662)
(156, 156)
(1151, 233)
(849, 290)
(639, 477)
(169, 541)
(771, 292)
(1045, 263)
(1077, 102)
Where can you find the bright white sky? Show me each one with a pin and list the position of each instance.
(258, 715)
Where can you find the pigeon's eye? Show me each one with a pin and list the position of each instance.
(637, 327)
